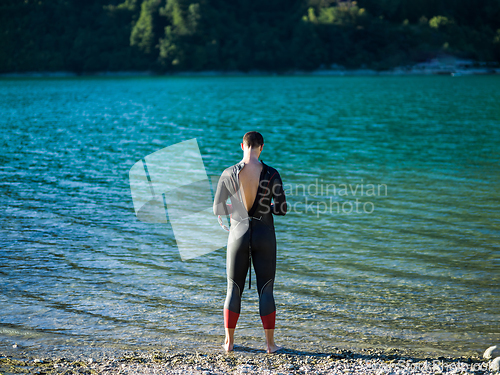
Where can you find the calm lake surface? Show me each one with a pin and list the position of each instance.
(422, 271)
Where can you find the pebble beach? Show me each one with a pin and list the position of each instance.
(243, 360)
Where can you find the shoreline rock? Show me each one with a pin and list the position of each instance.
(447, 65)
(492, 352)
(495, 364)
(242, 361)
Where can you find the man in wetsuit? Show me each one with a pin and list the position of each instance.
(251, 185)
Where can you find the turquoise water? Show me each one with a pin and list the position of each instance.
(421, 271)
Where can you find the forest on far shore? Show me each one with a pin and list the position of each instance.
(272, 35)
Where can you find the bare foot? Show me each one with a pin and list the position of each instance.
(228, 346)
(273, 348)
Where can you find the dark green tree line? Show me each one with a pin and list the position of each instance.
(274, 35)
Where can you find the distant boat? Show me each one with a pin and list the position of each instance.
(456, 74)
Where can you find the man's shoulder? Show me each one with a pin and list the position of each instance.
(233, 169)
(230, 170)
(271, 171)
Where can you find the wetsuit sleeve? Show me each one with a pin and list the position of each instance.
(221, 195)
(279, 207)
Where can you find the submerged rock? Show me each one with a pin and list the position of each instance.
(492, 352)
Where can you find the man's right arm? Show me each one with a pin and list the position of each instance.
(221, 195)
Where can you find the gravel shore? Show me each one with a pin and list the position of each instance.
(243, 360)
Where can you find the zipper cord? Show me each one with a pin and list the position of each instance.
(250, 254)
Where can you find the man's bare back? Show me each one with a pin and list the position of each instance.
(249, 178)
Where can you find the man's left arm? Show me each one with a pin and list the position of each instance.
(280, 206)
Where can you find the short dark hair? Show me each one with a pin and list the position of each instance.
(253, 139)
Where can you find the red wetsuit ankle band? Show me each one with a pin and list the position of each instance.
(230, 318)
(268, 321)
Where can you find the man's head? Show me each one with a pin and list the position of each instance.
(253, 141)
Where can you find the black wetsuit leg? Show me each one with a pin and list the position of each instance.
(264, 263)
(262, 241)
(237, 262)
